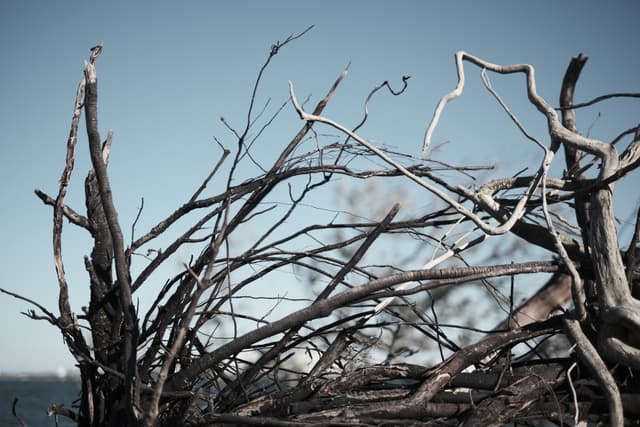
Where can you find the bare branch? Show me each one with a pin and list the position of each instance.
(63, 301)
(70, 214)
(517, 213)
(599, 99)
(122, 269)
(592, 359)
(325, 307)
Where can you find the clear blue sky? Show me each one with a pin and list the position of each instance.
(169, 70)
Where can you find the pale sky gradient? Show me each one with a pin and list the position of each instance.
(169, 70)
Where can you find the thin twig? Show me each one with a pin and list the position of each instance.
(599, 99)
(518, 211)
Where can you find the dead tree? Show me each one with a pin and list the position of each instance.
(169, 365)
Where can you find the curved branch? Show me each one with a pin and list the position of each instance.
(556, 130)
(518, 211)
(592, 359)
(613, 289)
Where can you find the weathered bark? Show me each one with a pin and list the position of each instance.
(122, 408)
(104, 312)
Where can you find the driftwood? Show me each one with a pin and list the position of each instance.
(166, 366)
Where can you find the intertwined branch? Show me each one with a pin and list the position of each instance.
(197, 356)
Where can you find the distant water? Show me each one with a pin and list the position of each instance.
(35, 397)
